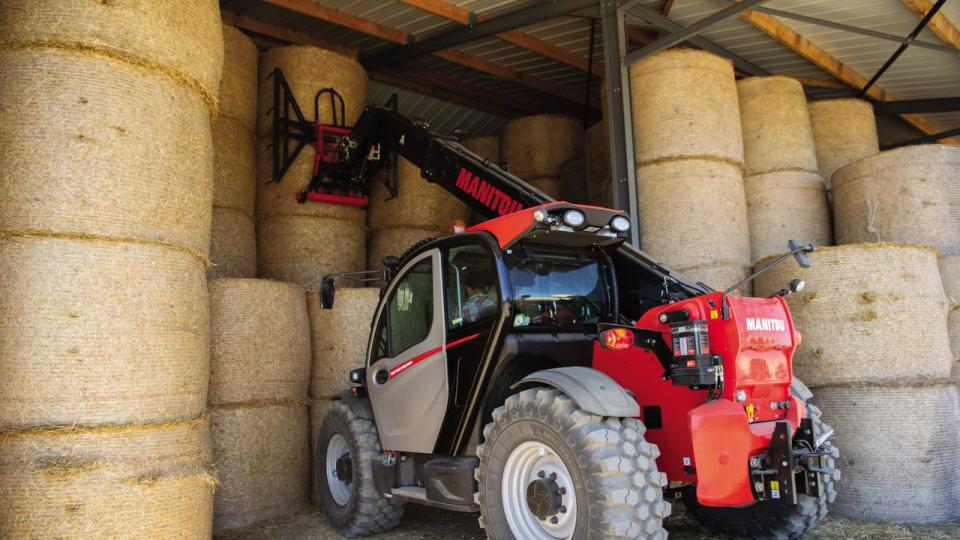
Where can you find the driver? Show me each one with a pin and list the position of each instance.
(480, 299)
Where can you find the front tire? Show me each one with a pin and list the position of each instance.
(550, 470)
(346, 448)
(771, 519)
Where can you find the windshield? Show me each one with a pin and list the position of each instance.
(555, 288)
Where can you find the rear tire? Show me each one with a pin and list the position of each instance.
(770, 519)
(600, 476)
(352, 502)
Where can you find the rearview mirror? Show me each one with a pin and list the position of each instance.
(327, 292)
(801, 255)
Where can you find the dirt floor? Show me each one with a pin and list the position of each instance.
(422, 523)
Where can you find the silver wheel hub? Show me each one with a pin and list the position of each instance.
(339, 469)
(538, 495)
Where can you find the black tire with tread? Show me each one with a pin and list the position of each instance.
(367, 512)
(772, 520)
(613, 467)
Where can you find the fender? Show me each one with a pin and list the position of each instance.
(358, 406)
(592, 390)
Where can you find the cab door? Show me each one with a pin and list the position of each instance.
(407, 372)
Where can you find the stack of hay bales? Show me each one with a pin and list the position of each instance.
(420, 210)
(844, 130)
(296, 242)
(597, 156)
(339, 338)
(689, 156)
(786, 198)
(105, 198)
(487, 148)
(259, 372)
(536, 147)
(233, 243)
(876, 353)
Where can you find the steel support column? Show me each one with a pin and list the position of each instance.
(618, 115)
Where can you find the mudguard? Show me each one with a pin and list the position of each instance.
(591, 390)
(360, 407)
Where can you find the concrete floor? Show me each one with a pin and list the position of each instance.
(422, 523)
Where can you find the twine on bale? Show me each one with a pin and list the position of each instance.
(899, 451)
(776, 125)
(844, 131)
(539, 145)
(302, 249)
(181, 38)
(234, 165)
(138, 481)
(394, 241)
(125, 177)
(86, 345)
(418, 204)
(784, 206)
(685, 105)
(339, 338)
(859, 312)
(909, 194)
(259, 341)
(261, 454)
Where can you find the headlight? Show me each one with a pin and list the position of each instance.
(574, 218)
(620, 224)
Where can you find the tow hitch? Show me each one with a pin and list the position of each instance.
(793, 466)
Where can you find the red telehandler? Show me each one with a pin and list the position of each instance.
(540, 371)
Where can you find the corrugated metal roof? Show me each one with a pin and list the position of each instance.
(920, 73)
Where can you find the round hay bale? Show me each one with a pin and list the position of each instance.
(859, 314)
(238, 87)
(394, 241)
(776, 125)
(551, 185)
(307, 71)
(955, 371)
(151, 481)
(911, 195)
(259, 341)
(115, 150)
(234, 165)
(318, 408)
(339, 338)
(783, 206)
(844, 131)
(262, 456)
(485, 147)
(101, 332)
(418, 203)
(899, 451)
(597, 156)
(950, 275)
(302, 249)
(183, 38)
(719, 275)
(685, 105)
(573, 181)
(539, 145)
(280, 198)
(233, 245)
(693, 214)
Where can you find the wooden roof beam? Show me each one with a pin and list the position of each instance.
(827, 62)
(282, 34)
(940, 25)
(311, 9)
(446, 10)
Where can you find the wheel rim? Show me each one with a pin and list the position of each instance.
(535, 467)
(339, 490)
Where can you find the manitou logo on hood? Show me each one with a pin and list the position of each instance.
(486, 194)
(766, 325)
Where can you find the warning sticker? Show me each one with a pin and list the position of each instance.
(774, 489)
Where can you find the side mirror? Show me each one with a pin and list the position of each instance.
(327, 292)
(801, 252)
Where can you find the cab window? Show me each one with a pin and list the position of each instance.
(472, 294)
(408, 314)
